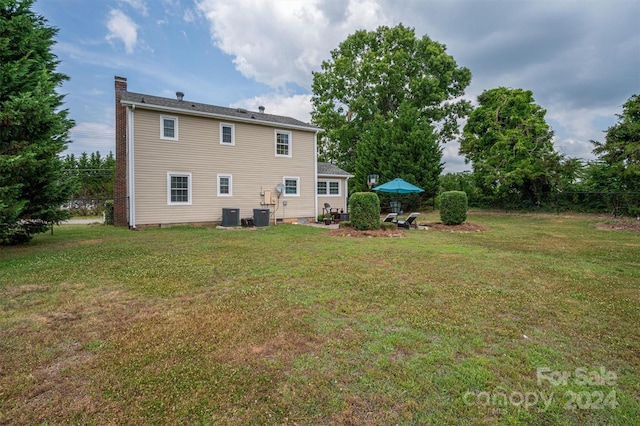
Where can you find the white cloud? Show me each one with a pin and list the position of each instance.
(279, 42)
(91, 137)
(139, 5)
(189, 16)
(122, 28)
(296, 106)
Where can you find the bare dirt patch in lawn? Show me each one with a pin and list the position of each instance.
(620, 226)
(352, 232)
(463, 227)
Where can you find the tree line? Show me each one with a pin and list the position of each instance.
(92, 176)
(389, 100)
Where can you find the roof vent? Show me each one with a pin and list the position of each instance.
(142, 101)
(179, 95)
(261, 109)
(242, 110)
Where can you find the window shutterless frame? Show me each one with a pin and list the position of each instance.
(227, 134)
(291, 186)
(168, 127)
(178, 189)
(283, 143)
(225, 185)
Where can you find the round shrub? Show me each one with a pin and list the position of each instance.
(364, 211)
(453, 207)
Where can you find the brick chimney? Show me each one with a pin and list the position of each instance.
(120, 200)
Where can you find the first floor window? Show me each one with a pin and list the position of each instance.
(224, 186)
(291, 185)
(328, 187)
(168, 127)
(322, 187)
(179, 188)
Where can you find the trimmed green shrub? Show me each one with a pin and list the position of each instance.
(108, 212)
(453, 207)
(388, 226)
(364, 211)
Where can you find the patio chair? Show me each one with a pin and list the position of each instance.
(390, 217)
(328, 209)
(409, 222)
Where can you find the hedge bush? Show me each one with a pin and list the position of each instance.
(364, 211)
(453, 207)
(108, 212)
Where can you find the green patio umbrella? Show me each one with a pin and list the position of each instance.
(398, 186)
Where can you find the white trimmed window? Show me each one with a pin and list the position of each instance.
(168, 127)
(334, 187)
(227, 134)
(329, 187)
(283, 143)
(178, 188)
(225, 185)
(291, 186)
(322, 187)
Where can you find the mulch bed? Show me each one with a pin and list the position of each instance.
(398, 233)
(463, 227)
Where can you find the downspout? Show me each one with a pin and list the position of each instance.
(315, 178)
(346, 194)
(131, 176)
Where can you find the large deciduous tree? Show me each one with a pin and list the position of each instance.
(33, 128)
(621, 149)
(510, 145)
(387, 100)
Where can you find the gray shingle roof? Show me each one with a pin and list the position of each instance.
(330, 169)
(157, 102)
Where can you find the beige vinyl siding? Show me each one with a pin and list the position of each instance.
(251, 162)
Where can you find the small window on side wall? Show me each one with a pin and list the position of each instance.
(225, 187)
(322, 187)
(334, 188)
(227, 134)
(292, 186)
(168, 127)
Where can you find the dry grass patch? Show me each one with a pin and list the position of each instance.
(371, 233)
(287, 326)
(463, 227)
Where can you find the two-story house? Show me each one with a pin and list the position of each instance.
(182, 162)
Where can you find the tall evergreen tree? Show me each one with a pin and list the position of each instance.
(33, 127)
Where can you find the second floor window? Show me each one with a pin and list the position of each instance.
(227, 134)
(283, 144)
(168, 127)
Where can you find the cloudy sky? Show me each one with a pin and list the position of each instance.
(580, 58)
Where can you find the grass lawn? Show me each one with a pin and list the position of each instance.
(532, 322)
